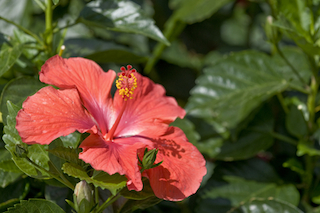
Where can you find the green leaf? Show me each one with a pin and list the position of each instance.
(269, 206)
(145, 193)
(72, 140)
(37, 153)
(188, 128)
(6, 163)
(55, 1)
(295, 19)
(304, 147)
(8, 56)
(15, 190)
(233, 87)
(68, 154)
(191, 11)
(253, 139)
(35, 206)
(132, 205)
(103, 180)
(7, 178)
(178, 54)
(121, 16)
(102, 51)
(240, 190)
(294, 165)
(17, 91)
(295, 123)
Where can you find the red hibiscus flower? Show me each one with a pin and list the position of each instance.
(136, 118)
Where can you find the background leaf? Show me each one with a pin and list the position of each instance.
(122, 16)
(35, 205)
(17, 91)
(103, 180)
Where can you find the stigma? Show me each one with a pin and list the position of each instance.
(127, 82)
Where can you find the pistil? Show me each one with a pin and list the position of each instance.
(126, 84)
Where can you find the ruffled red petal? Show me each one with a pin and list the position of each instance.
(119, 156)
(182, 169)
(149, 112)
(52, 113)
(92, 82)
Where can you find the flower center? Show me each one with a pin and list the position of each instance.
(126, 84)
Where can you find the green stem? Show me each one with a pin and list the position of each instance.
(173, 28)
(284, 138)
(23, 29)
(308, 178)
(290, 65)
(281, 100)
(108, 202)
(96, 195)
(311, 103)
(49, 29)
(65, 27)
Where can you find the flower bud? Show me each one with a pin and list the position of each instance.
(148, 159)
(21, 150)
(83, 197)
(272, 32)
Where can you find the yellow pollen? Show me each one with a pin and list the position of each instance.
(126, 83)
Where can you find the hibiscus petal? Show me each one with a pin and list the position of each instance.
(118, 156)
(182, 169)
(149, 112)
(92, 82)
(52, 113)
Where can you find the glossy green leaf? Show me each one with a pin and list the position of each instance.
(111, 182)
(269, 206)
(232, 88)
(8, 56)
(102, 51)
(72, 140)
(17, 91)
(35, 206)
(191, 11)
(239, 190)
(121, 16)
(37, 153)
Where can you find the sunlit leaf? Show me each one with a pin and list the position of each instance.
(121, 16)
(36, 153)
(103, 180)
(270, 206)
(230, 89)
